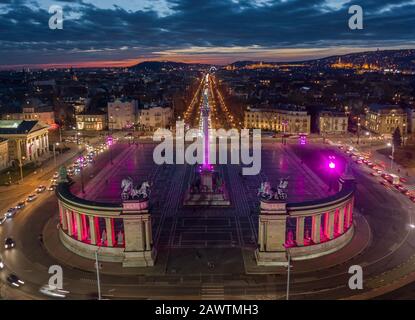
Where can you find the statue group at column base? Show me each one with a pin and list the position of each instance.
(207, 189)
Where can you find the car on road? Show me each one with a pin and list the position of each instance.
(53, 291)
(1, 264)
(20, 205)
(3, 220)
(55, 175)
(385, 183)
(403, 180)
(40, 189)
(14, 280)
(9, 243)
(10, 213)
(51, 187)
(412, 199)
(31, 198)
(375, 173)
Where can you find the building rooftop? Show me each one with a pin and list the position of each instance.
(19, 126)
(386, 107)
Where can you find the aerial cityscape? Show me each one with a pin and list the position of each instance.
(149, 155)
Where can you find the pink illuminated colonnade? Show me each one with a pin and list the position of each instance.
(306, 230)
(94, 230)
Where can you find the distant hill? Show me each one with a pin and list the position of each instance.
(402, 59)
(157, 66)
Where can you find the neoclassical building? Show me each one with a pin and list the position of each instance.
(27, 140)
(290, 121)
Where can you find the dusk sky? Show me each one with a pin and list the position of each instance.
(124, 32)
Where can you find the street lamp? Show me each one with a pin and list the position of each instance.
(98, 278)
(393, 152)
(404, 133)
(54, 152)
(21, 167)
(81, 161)
(109, 143)
(287, 297)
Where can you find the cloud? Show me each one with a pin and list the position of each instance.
(125, 29)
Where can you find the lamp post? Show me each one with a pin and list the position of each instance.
(393, 152)
(54, 152)
(98, 278)
(60, 133)
(82, 174)
(358, 130)
(21, 167)
(404, 133)
(287, 297)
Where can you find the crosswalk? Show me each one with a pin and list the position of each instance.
(211, 291)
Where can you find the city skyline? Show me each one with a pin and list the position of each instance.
(122, 33)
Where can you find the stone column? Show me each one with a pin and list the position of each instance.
(147, 233)
(273, 222)
(69, 220)
(64, 221)
(348, 215)
(330, 231)
(315, 230)
(340, 225)
(261, 236)
(92, 231)
(108, 224)
(299, 234)
(78, 225)
(47, 143)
